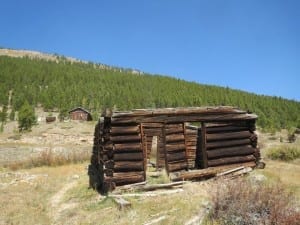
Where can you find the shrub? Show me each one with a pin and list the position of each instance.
(242, 202)
(284, 153)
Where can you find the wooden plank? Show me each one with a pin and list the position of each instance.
(203, 162)
(230, 160)
(231, 151)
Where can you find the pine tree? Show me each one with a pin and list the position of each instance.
(26, 117)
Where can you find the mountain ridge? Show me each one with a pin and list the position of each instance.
(63, 84)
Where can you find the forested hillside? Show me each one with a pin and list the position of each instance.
(64, 85)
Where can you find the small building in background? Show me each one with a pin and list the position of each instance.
(80, 114)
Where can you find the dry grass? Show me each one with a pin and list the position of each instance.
(50, 158)
(244, 202)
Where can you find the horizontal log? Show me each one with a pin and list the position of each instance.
(230, 160)
(175, 147)
(174, 138)
(134, 156)
(125, 138)
(228, 136)
(227, 143)
(206, 173)
(174, 131)
(179, 111)
(124, 166)
(123, 178)
(152, 125)
(231, 151)
(125, 130)
(176, 156)
(152, 133)
(127, 147)
(218, 129)
(180, 118)
(174, 166)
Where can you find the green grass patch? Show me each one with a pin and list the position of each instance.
(284, 153)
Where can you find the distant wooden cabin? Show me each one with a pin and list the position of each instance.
(80, 114)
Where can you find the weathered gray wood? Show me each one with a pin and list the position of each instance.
(122, 203)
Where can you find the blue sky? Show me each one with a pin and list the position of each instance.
(252, 45)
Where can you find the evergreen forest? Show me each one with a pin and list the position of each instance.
(62, 85)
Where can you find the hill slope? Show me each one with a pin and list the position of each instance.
(63, 84)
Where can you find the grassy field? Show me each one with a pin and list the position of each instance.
(60, 194)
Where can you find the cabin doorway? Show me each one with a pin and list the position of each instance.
(153, 144)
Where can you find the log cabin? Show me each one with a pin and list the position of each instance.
(80, 114)
(190, 143)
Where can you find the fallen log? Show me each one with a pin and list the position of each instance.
(148, 194)
(206, 173)
(152, 187)
(122, 203)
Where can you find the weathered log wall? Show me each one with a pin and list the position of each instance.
(123, 142)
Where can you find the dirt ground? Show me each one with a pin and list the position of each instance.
(60, 195)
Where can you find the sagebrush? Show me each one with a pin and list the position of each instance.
(284, 153)
(244, 202)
